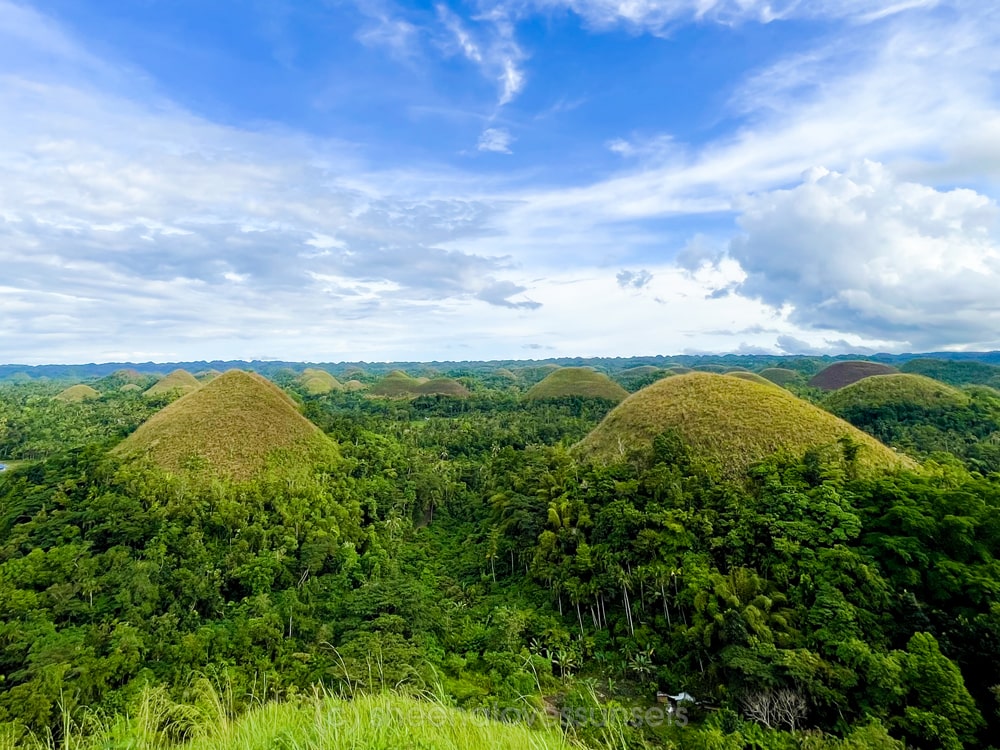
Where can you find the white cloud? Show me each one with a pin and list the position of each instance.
(633, 279)
(660, 16)
(494, 49)
(865, 252)
(511, 80)
(495, 139)
(125, 222)
(388, 31)
(917, 95)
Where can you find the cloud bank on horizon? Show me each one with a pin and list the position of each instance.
(493, 178)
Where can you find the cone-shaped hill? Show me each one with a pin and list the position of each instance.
(317, 382)
(179, 382)
(955, 372)
(120, 378)
(397, 384)
(750, 377)
(640, 371)
(233, 427)
(728, 423)
(443, 387)
(534, 373)
(841, 374)
(77, 393)
(577, 381)
(898, 393)
(779, 375)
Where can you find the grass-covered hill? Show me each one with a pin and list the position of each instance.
(179, 382)
(120, 378)
(955, 372)
(779, 375)
(397, 384)
(233, 427)
(316, 382)
(841, 374)
(750, 377)
(924, 416)
(577, 381)
(897, 391)
(534, 373)
(634, 378)
(638, 372)
(354, 385)
(728, 423)
(442, 387)
(206, 375)
(77, 393)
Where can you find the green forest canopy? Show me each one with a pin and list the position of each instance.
(457, 553)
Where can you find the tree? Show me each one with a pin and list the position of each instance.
(937, 707)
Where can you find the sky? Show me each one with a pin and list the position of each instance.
(344, 180)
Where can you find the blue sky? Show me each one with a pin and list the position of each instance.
(337, 180)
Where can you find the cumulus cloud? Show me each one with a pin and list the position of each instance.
(697, 252)
(633, 279)
(124, 222)
(499, 293)
(125, 219)
(864, 251)
(917, 93)
(497, 140)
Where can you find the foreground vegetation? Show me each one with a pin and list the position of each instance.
(456, 556)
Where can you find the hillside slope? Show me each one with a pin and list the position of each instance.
(179, 382)
(728, 422)
(233, 427)
(895, 391)
(77, 393)
(841, 374)
(577, 381)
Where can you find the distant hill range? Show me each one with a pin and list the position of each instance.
(807, 364)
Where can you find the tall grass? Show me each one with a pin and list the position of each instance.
(208, 720)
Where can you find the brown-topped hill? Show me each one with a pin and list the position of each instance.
(779, 375)
(443, 387)
(77, 393)
(234, 427)
(841, 374)
(577, 381)
(728, 423)
(316, 382)
(179, 382)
